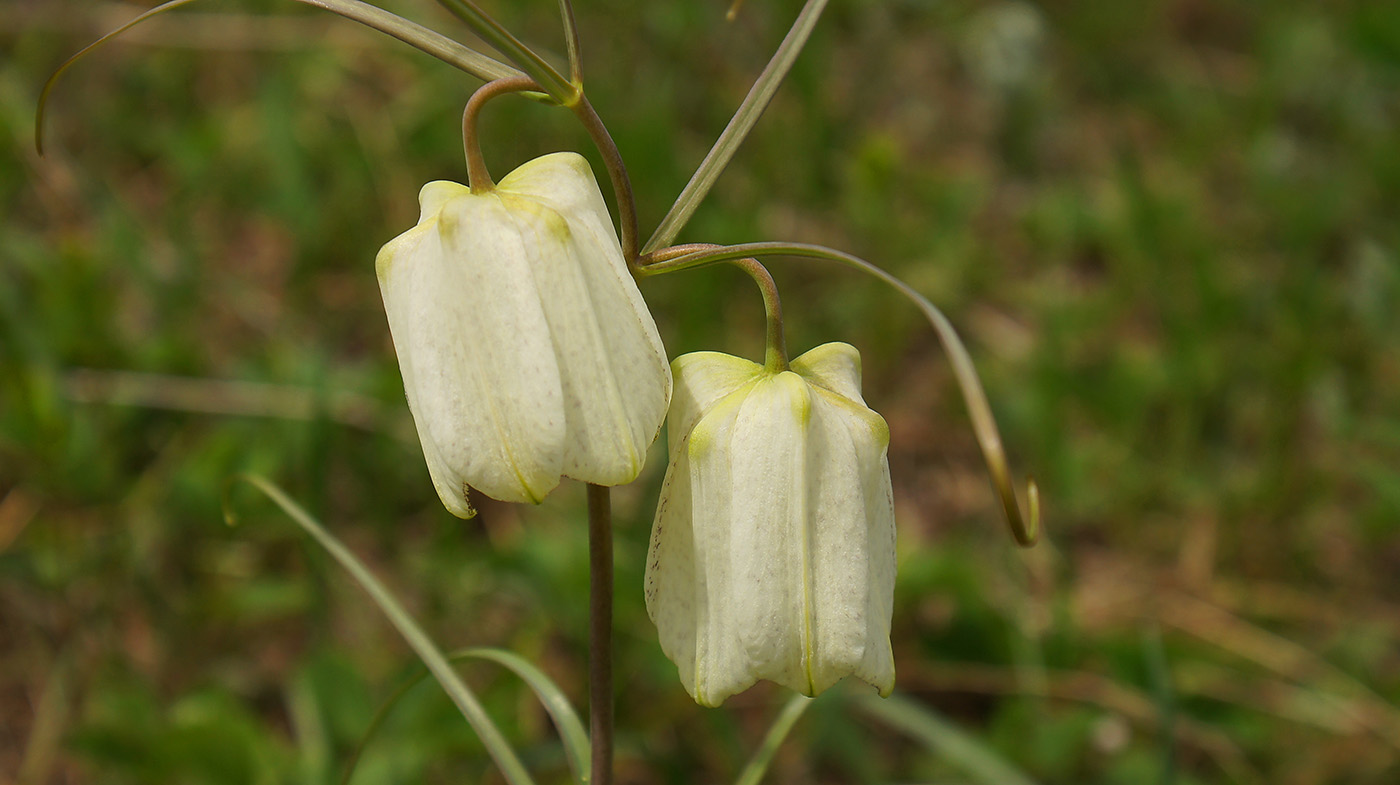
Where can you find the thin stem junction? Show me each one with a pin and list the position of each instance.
(775, 345)
(552, 82)
(1025, 529)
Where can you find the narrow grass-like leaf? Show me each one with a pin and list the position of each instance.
(760, 95)
(563, 91)
(1160, 673)
(496, 744)
(380, 716)
(411, 33)
(566, 720)
(566, 12)
(1026, 530)
(763, 756)
(943, 739)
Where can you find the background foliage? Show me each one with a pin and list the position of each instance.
(1167, 229)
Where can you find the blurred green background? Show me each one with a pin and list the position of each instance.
(1168, 230)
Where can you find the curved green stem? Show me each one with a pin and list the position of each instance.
(775, 357)
(478, 177)
(775, 345)
(984, 425)
(415, 35)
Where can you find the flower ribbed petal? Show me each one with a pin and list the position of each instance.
(613, 370)
(772, 554)
(473, 344)
(851, 541)
(833, 366)
(770, 607)
(526, 349)
(702, 379)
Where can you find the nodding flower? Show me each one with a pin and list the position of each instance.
(526, 350)
(773, 550)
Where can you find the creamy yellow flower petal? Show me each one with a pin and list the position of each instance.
(604, 337)
(772, 553)
(702, 378)
(526, 350)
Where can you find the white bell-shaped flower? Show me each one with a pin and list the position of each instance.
(526, 350)
(773, 551)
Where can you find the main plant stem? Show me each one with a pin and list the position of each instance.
(617, 173)
(600, 607)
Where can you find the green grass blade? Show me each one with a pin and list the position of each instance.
(566, 13)
(763, 756)
(1159, 670)
(413, 34)
(566, 721)
(944, 739)
(760, 95)
(496, 744)
(379, 717)
(419, 37)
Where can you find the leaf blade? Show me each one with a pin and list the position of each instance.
(777, 732)
(566, 720)
(944, 739)
(733, 135)
(421, 38)
(490, 735)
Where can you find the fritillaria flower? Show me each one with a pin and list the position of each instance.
(526, 350)
(772, 554)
